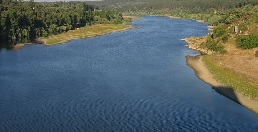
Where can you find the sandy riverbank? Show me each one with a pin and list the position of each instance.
(84, 32)
(204, 74)
(18, 46)
(80, 33)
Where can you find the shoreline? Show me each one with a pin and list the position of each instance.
(195, 44)
(81, 33)
(204, 74)
(210, 28)
(84, 32)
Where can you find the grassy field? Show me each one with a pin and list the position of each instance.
(231, 79)
(84, 32)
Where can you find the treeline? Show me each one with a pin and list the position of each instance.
(23, 21)
(196, 6)
(208, 10)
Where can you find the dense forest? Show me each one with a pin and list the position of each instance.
(211, 11)
(23, 21)
(170, 5)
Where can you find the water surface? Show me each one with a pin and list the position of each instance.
(135, 80)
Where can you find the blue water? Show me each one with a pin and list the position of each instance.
(131, 81)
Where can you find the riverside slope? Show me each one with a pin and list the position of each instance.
(204, 74)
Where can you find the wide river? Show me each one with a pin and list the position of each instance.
(131, 81)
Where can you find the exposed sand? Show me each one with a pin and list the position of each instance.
(77, 34)
(204, 74)
(84, 32)
(18, 46)
(201, 71)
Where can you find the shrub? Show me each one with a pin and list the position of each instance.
(224, 38)
(248, 41)
(214, 46)
(256, 53)
(219, 31)
(127, 19)
(217, 47)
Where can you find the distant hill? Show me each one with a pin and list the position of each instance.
(169, 5)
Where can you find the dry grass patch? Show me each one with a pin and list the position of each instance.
(232, 78)
(84, 32)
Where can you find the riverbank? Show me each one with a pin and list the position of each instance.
(210, 28)
(195, 43)
(204, 74)
(84, 32)
(225, 81)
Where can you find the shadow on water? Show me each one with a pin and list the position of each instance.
(227, 92)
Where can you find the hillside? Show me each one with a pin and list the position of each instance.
(208, 10)
(234, 43)
(170, 5)
(238, 27)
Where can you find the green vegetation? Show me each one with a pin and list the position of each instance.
(248, 41)
(239, 25)
(128, 20)
(217, 39)
(159, 6)
(211, 11)
(208, 17)
(214, 46)
(231, 79)
(23, 21)
(219, 32)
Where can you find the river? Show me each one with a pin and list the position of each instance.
(132, 81)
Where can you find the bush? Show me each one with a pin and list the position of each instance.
(248, 41)
(256, 53)
(128, 19)
(214, 46)
(225, 38)
(219, 31)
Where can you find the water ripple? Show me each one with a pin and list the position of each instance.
(131, 81)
